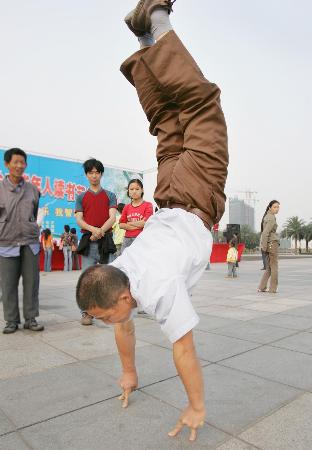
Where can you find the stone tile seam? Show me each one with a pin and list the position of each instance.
(257, 342)
(85, 406)
(48, 419)
(271, 413)
(60, 350)
(307, 391)
(178, 409)
(277, 326)
(240, 440)
(289, 349)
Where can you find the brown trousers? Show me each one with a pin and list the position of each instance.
(271, 268)
(185, 114)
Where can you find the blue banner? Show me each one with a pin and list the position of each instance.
(60, 181)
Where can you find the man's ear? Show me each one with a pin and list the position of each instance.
(126, 296)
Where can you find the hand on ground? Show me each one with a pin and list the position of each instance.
(191, 418)
(128, 382)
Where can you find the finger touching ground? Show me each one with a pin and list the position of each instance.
(126, 398)
(193, 434)
(176, 429)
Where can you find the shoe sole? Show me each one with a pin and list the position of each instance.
(128, 22)
(137, 24)
(9, 332)
(27, 327)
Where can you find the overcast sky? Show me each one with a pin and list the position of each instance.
(61, 92)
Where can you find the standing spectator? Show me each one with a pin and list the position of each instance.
(119, 234)
(231, 259)
(95, 213)
(66, 244)
(75, 256)
(48, 247)
(235, 240)
(135, 214)
(269, 244)
(19, 243)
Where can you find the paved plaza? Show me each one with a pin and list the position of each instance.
(58, 388)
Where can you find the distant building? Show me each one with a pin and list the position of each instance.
(241, 213)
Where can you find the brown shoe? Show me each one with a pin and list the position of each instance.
(141, 20)
(86, 319)
(128, 20)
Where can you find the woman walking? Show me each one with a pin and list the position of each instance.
(269, 244)
(66, 243)
(48, 247)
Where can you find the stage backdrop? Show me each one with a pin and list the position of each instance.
(60, 181)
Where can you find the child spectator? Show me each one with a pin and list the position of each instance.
(119, 233)
(135, 214)
(231, 259)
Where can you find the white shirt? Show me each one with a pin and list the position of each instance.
(164, 262)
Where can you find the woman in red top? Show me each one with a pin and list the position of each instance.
(135, 214)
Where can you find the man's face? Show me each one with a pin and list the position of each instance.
(94, 177)
(16, 166)
(119, 313)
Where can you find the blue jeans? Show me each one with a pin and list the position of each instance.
(68, 263)
(94, 257)
(47, 259)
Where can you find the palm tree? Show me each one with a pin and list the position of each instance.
(307, 234)
(293, 228)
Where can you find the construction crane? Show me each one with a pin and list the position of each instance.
(249, 196)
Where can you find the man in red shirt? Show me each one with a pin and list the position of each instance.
(95, 213)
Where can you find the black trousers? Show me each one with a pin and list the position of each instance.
(11, 269)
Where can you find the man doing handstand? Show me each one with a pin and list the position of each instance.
(157, 272)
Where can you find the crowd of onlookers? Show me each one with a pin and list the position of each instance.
(107, 229)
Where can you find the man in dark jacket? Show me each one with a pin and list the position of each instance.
(19, 243)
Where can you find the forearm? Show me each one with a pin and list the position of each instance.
(138, 224)
(125, 340)
(108, 224)
(127, 226)
(189, 370)
(83, 225)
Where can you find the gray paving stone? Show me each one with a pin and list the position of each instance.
(207, 323)
(289, 428)
(255, 332)
(82, 342)
(301, 342)
(235, 444)
(212, 347)
(153, 335)
(285, 321)
(304, 311)
(232, 312)
(53, 392)
(13, 442)
(234, 399)
(6, 425)
(143, 426)
(30, 359)
(284, 366)
(153, 364)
